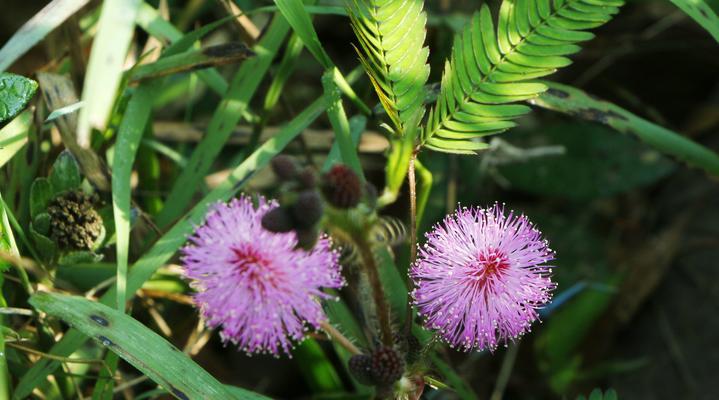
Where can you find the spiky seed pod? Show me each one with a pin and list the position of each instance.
(74, 223)
(307, 179)
(342, 187)
(387, 365)
(307, 210)
(285, 167)
(360, 367)
(278, 220)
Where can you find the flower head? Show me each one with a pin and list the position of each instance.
(253, 283)
(480, 278)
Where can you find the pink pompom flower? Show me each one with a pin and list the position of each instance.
(253, 283)
(480, 278)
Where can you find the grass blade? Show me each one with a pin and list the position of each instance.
(300, 21)
(128, 141)
(14, 136)
(192, 60)
(702, 13)
(105, 68)
(144, 349)
(340, 123)
(36, 28)
(572, 101)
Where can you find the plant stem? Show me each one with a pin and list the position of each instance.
(338, 337)
(412, 235)
(377, 292)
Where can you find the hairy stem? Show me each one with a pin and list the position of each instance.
(412, 235)
(338, 337)
(377, 291)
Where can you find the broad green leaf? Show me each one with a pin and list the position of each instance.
(490, 68)
(40, 195)
(65, 174)
(13, 136)
(702, 13)
(34, 30)
(573, 101)
(105, 67)
(15, 93)
(46, 248)
(135, 343)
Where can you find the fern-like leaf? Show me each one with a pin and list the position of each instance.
(391, 34)
(490, 69)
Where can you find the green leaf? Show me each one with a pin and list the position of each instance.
(129, 134)
(572, 101)
(192, 60)
(301, 22)
(13, 136)
(135, 343)
(106, 64)
(79, 257)
(41, 223)
(65, 174)
(36, 28)
(489, 69)
(340, 123)
(46, 248)
(391, 35)
(702, 13)
(40, 195)
(15, 93)
(316, 368)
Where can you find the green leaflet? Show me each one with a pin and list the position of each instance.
(15, 93)
(138, 345)
(391, 35)
(490, 69)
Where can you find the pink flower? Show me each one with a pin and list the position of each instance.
(253, 283)
(480, 277)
